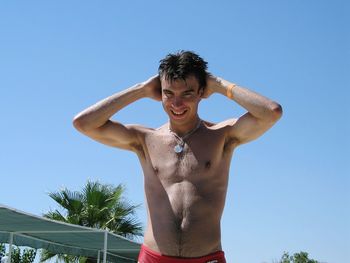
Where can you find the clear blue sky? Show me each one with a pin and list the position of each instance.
(288, 191)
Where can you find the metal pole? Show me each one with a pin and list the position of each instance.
(98, 256)
(10, 248)
(104, 247)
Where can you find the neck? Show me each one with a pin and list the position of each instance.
(183, 129)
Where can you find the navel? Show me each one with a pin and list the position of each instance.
(207, 165)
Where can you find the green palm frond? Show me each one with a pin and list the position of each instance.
(71, 201)
(46, 255)
(55, 215)
(99, 206)
(58, 258)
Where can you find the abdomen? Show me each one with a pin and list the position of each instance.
(185, 218)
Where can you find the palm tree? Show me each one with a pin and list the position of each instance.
(98, 206)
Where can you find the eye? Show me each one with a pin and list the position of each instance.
(168, 94)
(188, 95)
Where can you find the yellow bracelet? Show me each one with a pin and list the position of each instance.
(229, 91)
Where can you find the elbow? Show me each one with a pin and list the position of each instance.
(276, 111)
(83, 124)
(78, 124)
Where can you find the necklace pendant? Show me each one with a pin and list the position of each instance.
(178, 148)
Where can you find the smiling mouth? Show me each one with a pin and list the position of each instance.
(178, 113)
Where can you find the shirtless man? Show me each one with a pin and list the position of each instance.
(186, 161)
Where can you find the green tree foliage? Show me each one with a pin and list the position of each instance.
(301, 257)
(2, 250)
(96, 205)
(26, 255)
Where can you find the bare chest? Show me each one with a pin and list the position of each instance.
(202, 157)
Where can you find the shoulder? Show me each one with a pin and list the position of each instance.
(148, 132)
(140, 129)
(223, 128)
(140, 132)
(223, 125)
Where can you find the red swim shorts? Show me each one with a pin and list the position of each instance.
(149, 256)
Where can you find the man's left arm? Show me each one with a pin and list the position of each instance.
(262, 113)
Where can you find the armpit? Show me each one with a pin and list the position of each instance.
(138, 149)
(230, 143)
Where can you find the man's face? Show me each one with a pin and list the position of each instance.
(180, 99)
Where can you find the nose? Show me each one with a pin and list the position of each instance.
(177, 102)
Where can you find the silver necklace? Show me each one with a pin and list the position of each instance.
(181, 140)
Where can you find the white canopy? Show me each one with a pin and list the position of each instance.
(23, 229)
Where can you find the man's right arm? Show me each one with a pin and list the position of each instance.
(95, 121)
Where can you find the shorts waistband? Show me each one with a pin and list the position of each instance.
(149, 256)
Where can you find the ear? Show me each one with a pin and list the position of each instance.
(201, 91)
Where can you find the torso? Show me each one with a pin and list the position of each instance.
(185, 192)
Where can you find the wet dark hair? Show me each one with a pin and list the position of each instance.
(182, 64)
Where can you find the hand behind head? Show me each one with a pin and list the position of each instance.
(153, 88)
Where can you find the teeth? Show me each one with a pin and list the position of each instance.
(178, 113)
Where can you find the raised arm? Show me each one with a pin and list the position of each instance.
(262, 113)
(95, 120)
